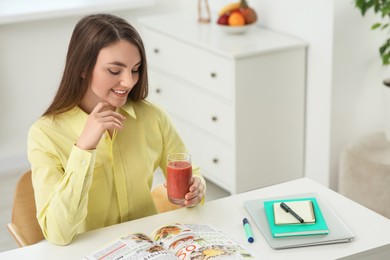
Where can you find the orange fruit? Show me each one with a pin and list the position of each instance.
(236, 19)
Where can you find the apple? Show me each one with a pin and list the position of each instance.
(223, 19)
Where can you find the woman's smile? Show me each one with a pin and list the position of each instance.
(120, 93)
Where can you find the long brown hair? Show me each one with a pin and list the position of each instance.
(91, 34)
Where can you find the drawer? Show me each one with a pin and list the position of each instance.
(208, 71)
(196, 107)
(214, 157)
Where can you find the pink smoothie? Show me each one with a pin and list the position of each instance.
(178, 181)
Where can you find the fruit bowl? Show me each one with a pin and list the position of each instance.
(236, 29)
(237, 18)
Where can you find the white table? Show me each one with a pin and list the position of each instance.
(371, 229)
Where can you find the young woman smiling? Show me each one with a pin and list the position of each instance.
(94, 151)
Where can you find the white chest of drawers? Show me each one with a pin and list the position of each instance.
(237, 100)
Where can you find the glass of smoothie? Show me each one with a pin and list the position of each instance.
(179, 177)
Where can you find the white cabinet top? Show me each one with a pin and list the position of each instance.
(210, 37)
(12, 11)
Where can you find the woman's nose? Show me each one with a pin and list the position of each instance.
(127, 80)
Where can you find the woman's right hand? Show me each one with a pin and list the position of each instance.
(101, 118)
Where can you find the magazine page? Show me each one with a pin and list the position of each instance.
(132, 246)
(198, 242)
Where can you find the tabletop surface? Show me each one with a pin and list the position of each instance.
(371, 229)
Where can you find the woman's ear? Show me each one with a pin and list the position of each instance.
(83, 74)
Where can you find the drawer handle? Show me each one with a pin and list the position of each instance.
(158, 91)
(214, 118)
(156, 50)
(213, 75)
(215, 160)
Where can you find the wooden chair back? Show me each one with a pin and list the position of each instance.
(160, 198)
(24, 226)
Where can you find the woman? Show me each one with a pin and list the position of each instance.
(95, 149)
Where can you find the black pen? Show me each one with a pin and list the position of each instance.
(288, 209)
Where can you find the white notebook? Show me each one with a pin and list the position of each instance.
(303, 208)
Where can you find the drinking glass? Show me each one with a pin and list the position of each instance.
(179, 177)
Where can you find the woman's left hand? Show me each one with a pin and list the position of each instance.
(196, 194)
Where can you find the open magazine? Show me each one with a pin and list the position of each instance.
(176, 241)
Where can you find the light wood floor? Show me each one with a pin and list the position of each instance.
(7, 186)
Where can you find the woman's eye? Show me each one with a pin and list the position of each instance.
(135, 71)
(114, 72)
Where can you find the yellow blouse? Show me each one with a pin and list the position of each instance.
(78, 190)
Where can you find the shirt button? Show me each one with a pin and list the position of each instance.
(83, 163)
(104, 136)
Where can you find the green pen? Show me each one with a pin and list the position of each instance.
(248, 230)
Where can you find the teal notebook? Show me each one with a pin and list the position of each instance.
(318, 228)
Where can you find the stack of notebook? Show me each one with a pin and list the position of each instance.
(321, 225)
(287, 223)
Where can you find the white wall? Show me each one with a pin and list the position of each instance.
(357, 107)
(344, 76)
(312, 21)
(32, 56)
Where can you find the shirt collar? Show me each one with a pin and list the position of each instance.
(77, 119)
(129, 109)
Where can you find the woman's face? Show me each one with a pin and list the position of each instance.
(114, 75)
